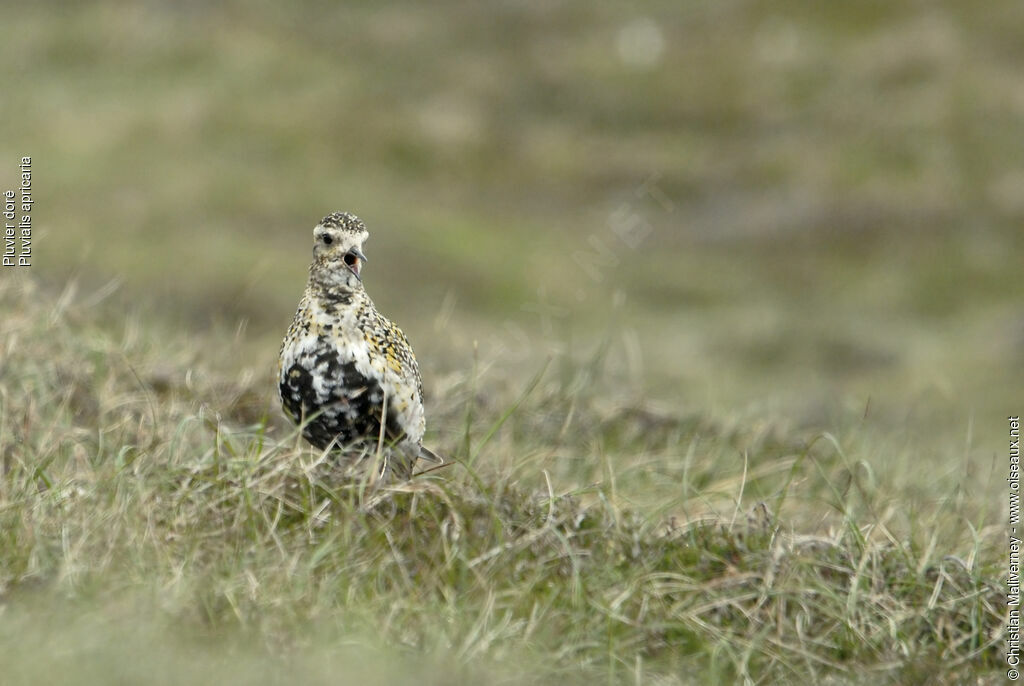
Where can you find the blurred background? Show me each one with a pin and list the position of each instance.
(773, 208)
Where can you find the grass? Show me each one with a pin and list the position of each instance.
(155, 514)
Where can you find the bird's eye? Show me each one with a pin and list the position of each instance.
(326, 238)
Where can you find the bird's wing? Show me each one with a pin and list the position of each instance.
(399, 351)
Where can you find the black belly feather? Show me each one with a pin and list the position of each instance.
(349, 415)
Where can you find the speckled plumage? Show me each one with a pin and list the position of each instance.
(341, 359)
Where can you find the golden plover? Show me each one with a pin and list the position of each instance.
(344, 369)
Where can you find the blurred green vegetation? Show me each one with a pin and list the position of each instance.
(833, 216)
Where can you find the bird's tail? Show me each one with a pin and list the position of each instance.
(430, 456)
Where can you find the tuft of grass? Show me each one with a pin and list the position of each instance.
(154, 514)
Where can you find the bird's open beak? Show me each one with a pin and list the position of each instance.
(356, 265)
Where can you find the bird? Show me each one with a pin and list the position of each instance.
(347, 375)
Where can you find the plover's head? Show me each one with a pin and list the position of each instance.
(338, 249)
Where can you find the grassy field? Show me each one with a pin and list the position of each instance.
(718, 307)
